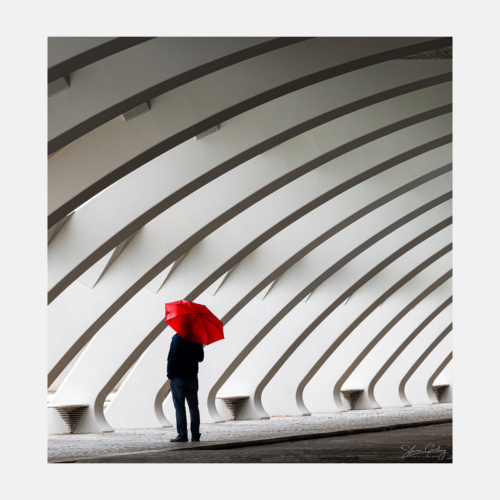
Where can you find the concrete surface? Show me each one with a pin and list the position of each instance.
(425, 444)
(73, 447)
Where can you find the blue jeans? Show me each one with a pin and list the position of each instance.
(183, 390)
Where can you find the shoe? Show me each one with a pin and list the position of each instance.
(179, 439)
(196, 440)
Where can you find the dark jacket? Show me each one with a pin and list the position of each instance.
(183, 358)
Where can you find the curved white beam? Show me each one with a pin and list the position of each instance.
(84, 371)
(323, 392)
(276, 389)
(147, 253)
(68, 54)
(107, 89)
(277, 255)
(445, 377)
(315, 150)
(93, 383)
(421, 393)
(105, 393)
(138, 404)
(384, 362)
(105, 222)
(340, 339)
(345, 214)
(223, 372)
(282, 342)
(131, 407)
(252, 324)
(69, 324)
(418, 363)
(372, 342)
(91, 163)
(387, 388)
(253, 277)
(435, 374)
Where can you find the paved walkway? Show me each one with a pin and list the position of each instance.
(429, 444)
(77, 446)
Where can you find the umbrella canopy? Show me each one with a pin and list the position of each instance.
(194, 322)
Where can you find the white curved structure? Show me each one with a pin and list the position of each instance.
(314, 220)
(155, 246)
(90, 163)
(144, 71)
(239, 140)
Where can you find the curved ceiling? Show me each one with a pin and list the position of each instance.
(300, 188)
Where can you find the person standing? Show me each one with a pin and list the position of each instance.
(182, 372)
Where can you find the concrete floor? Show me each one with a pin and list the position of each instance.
(429, 444)
(81, 446)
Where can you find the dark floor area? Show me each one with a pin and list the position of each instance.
(426, 444)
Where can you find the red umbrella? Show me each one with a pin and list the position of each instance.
(193, 322)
